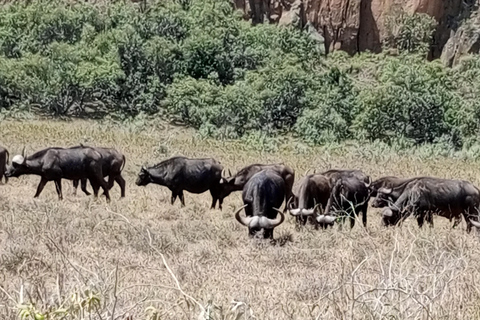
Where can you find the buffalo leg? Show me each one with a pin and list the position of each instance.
(121, 182)
(214, 202)
(182, 198)
(364, 214)
(84, 187)
(352, 221)
(95, 188)
(40, 187)
(75, 186)
(420, 220)
(174, 197)
(58, 186)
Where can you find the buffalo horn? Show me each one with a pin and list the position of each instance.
(387, 212)
(289, 203)
(229, 172)
(326, 219)
(272, 223)
(369, 182)
(475, 223)
(144, 168)
(385, 190)
(23, 151)
(243, 220)
(295, 212)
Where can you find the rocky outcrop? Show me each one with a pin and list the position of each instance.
(352, 25)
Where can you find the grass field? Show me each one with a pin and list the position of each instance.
(82, 258)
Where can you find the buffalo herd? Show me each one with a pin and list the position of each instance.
(320, 199)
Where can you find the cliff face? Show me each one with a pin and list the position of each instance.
(353, 25)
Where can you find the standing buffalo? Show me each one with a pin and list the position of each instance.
(313, 191)
(55, 164)
(426, 196)
(4, 155)
(350, 194)
(262, 195)
(237, 182)
(113, 163)
(396, 186)
(180, 173)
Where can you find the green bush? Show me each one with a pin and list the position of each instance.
(199, 63)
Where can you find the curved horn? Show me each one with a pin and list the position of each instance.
(23, 151)
(272, 223)
(318, 205)
(475, 223)
(223, 172)
(326, 219)
(387, 212)
(385, 190)
(309, 212)
(369, 182)
(229, 172)
(296, 212)
(289, 203)
(243, 220)
(144, 168)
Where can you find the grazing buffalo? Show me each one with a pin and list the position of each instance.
(180, 173)
(4, 155)
(350, 194)
(55, 164)
(397, 185)
(426, 196)
(113, 163)
(262, 195)
(237, 182)
(313, 191)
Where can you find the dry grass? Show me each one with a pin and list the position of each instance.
(104, 261)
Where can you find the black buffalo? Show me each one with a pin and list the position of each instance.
(262, 195)
(180, 173)
(312, 193)
(350, 194)
(113, 163)
(4, 155)
(55, 164)
(238, 181)
(426, 196)
(394, 184)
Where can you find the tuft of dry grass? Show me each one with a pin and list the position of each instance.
(142, 258)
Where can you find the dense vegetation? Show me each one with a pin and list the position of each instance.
(199, 63)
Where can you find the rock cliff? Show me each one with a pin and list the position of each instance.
(359, 25)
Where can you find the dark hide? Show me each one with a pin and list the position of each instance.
(350, 194)
(180, 173)
(113, 163)
(55, 164)
(238, 181)
(4, 155)
(312, 193)
(262, 195)
(426, 196)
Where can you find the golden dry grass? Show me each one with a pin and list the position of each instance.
(66, 254)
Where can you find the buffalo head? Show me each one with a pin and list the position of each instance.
(18, 167)
(382, 198)
(260, 225)
(143, 177)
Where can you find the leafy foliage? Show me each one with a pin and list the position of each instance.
(199, 63)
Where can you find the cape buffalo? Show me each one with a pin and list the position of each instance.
(426, 196)
(55, 164)
(237, 182)
(350, 194)
(397, 185)
(4, 155)
(262, 195)
(312, 191)
(180, 173)
(113, 163)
